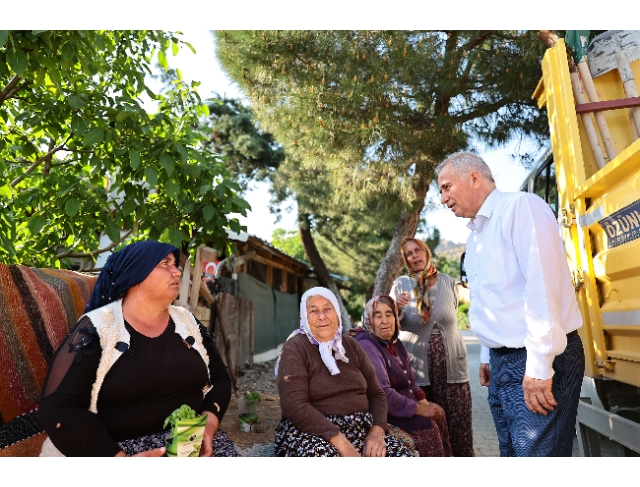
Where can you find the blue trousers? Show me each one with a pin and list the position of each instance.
(523, 433)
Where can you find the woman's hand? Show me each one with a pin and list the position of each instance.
(429, 410)
(402, 300)
(206, 450)
(156, 452)
(374, 444)
(344, 446)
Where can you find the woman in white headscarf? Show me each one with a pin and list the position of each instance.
(332, 404)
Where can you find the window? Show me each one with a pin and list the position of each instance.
(276, 279)
(544, 185)
(540, 183)
(552, 199)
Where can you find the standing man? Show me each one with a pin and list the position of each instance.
(523, 309)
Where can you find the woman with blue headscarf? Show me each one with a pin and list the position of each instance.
(131, 360)
(332, 404)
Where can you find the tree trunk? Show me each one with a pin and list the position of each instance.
(391, 265)
(319, 267)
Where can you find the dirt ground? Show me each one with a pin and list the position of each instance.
(259, 378)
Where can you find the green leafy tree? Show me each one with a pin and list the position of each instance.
(375, 111)
(80, 156)
(250, 154)
(289, 242)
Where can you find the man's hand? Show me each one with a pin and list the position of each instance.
(374, 444)
(485, 375)
(537, 395)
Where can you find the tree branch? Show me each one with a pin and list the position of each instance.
(120, 41)
(4, 94)
(342, 250)
(487, 108)
(18, 88)
(12, 88)
(95, 252)
(39, 161)
(477, 41)
(47, 163)
(80, 151)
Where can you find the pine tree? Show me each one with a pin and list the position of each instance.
(373, 112)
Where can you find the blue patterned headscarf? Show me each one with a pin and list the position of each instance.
(126, 268)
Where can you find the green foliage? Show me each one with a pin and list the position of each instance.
(289, 242)
(364, 117)
(252, 401)
(183, 412)
(249, 153)
(448, 266)
(399, 101)
(463, 316)
(80, 155)
(252, 398)
(249, 418)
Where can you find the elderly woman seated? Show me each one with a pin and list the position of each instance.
(407, 405)
(332, 404)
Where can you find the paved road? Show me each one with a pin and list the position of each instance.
(485, 439)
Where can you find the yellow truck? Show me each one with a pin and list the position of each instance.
(591, 179)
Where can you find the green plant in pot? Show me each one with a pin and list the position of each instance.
(247, 410)
(187, 432)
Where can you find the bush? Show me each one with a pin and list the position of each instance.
(463, 316)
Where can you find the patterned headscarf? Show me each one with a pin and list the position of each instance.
(326, 348)
(126, 268)
(422, 277)
(367, 318)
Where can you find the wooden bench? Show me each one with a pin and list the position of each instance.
(38, 307)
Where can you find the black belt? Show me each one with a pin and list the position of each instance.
(506, 350)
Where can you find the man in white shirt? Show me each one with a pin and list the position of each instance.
(523, 309)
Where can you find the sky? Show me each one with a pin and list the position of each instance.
(204, 67)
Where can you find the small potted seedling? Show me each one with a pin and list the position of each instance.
(187, 432)
(247, 410)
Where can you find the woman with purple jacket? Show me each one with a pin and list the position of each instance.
(408, 407)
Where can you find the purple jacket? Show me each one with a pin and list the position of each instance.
(398, 382)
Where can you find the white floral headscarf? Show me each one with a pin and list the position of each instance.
(328, 348)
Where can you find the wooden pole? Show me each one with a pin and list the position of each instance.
(222, 302)
(183, 298)
(629, 83)
(196, 279)
(550, 38)
(589, 128)
(590, 88)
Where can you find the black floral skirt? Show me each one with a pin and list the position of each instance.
(222, 444)
(291, 442)
(455, 399)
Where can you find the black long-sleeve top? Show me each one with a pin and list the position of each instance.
(146, 384)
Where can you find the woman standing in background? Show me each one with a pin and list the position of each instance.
(435, 345)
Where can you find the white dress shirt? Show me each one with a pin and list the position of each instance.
(521, 289)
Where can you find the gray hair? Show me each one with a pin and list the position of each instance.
(464, 163)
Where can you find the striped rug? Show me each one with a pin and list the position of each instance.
(38, 307)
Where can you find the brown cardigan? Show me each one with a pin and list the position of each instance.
(308, 391)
